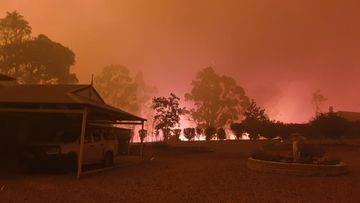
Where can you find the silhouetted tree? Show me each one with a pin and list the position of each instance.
(221, 134)
(118, 88)
(285, 130)
(144, 94)
(237, 129)
(254, 117)
(168, 113)
(210, 133)
(14, 29)
(269, 129)
(218, 100)
(32, 60)
(142, 135)
(318, 98)
(189, 133)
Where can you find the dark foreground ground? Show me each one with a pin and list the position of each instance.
(184, 174)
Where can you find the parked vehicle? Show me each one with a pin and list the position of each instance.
(100, 146)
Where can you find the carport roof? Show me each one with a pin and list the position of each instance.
(85, 95)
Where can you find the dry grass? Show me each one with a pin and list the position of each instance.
(179, 174)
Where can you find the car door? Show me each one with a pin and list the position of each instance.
(98, 145)
(87, 153)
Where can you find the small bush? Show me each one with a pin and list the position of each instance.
(311, 151)
(189, 133)
(221, 134)
(210, 132)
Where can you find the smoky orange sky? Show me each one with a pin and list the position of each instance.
(280, 51)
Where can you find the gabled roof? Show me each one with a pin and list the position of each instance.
(349, 115)
(40, 94)
(60, 95)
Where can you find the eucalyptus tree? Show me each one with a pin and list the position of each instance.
(217, 99)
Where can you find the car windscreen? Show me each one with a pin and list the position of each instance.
(65, 136)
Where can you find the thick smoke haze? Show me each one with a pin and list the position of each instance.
(280, 51)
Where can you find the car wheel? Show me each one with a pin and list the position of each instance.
(70, 163)
(108, 159)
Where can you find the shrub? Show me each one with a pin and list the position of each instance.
(266, 156)
(221, 134)
(309, 152)
(142, 134)
(189, 133)
(330, 125)
(237, 129)
(177, 133)
(210, 132)
(199, 131)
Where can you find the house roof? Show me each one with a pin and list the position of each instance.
(6, 78)
(349, 115)
(61, 95)
(40, 93)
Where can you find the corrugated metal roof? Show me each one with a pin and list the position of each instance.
(40, 93)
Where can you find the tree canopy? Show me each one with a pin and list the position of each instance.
(255, 117)
(329, 125)
(237, 129)
(218, 100)
(118, 88)
(167, 114)
(318, 99)
(32, 59)
(14, 29)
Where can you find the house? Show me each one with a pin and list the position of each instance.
(28, 112)
(6, 78)
(349, 115)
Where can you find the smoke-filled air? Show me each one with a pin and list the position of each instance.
(280, 52)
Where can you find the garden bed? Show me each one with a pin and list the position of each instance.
(300, 169)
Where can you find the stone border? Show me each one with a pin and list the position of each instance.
(297, 168)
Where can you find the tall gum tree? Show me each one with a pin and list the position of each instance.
(217, 99)
(117, 87)
(168, 112)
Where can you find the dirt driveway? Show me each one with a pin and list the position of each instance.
(196, 172)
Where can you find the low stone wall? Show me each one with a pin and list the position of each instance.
(297, 168)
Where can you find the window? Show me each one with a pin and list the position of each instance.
(109, 136)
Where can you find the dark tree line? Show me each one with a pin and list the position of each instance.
(323, 125)
(32, 59)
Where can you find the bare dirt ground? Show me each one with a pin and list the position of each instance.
(188, 174)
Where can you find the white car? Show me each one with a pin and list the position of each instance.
(100, 146)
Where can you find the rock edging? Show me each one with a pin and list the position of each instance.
(297, 168)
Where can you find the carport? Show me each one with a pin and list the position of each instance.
(73, 106)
